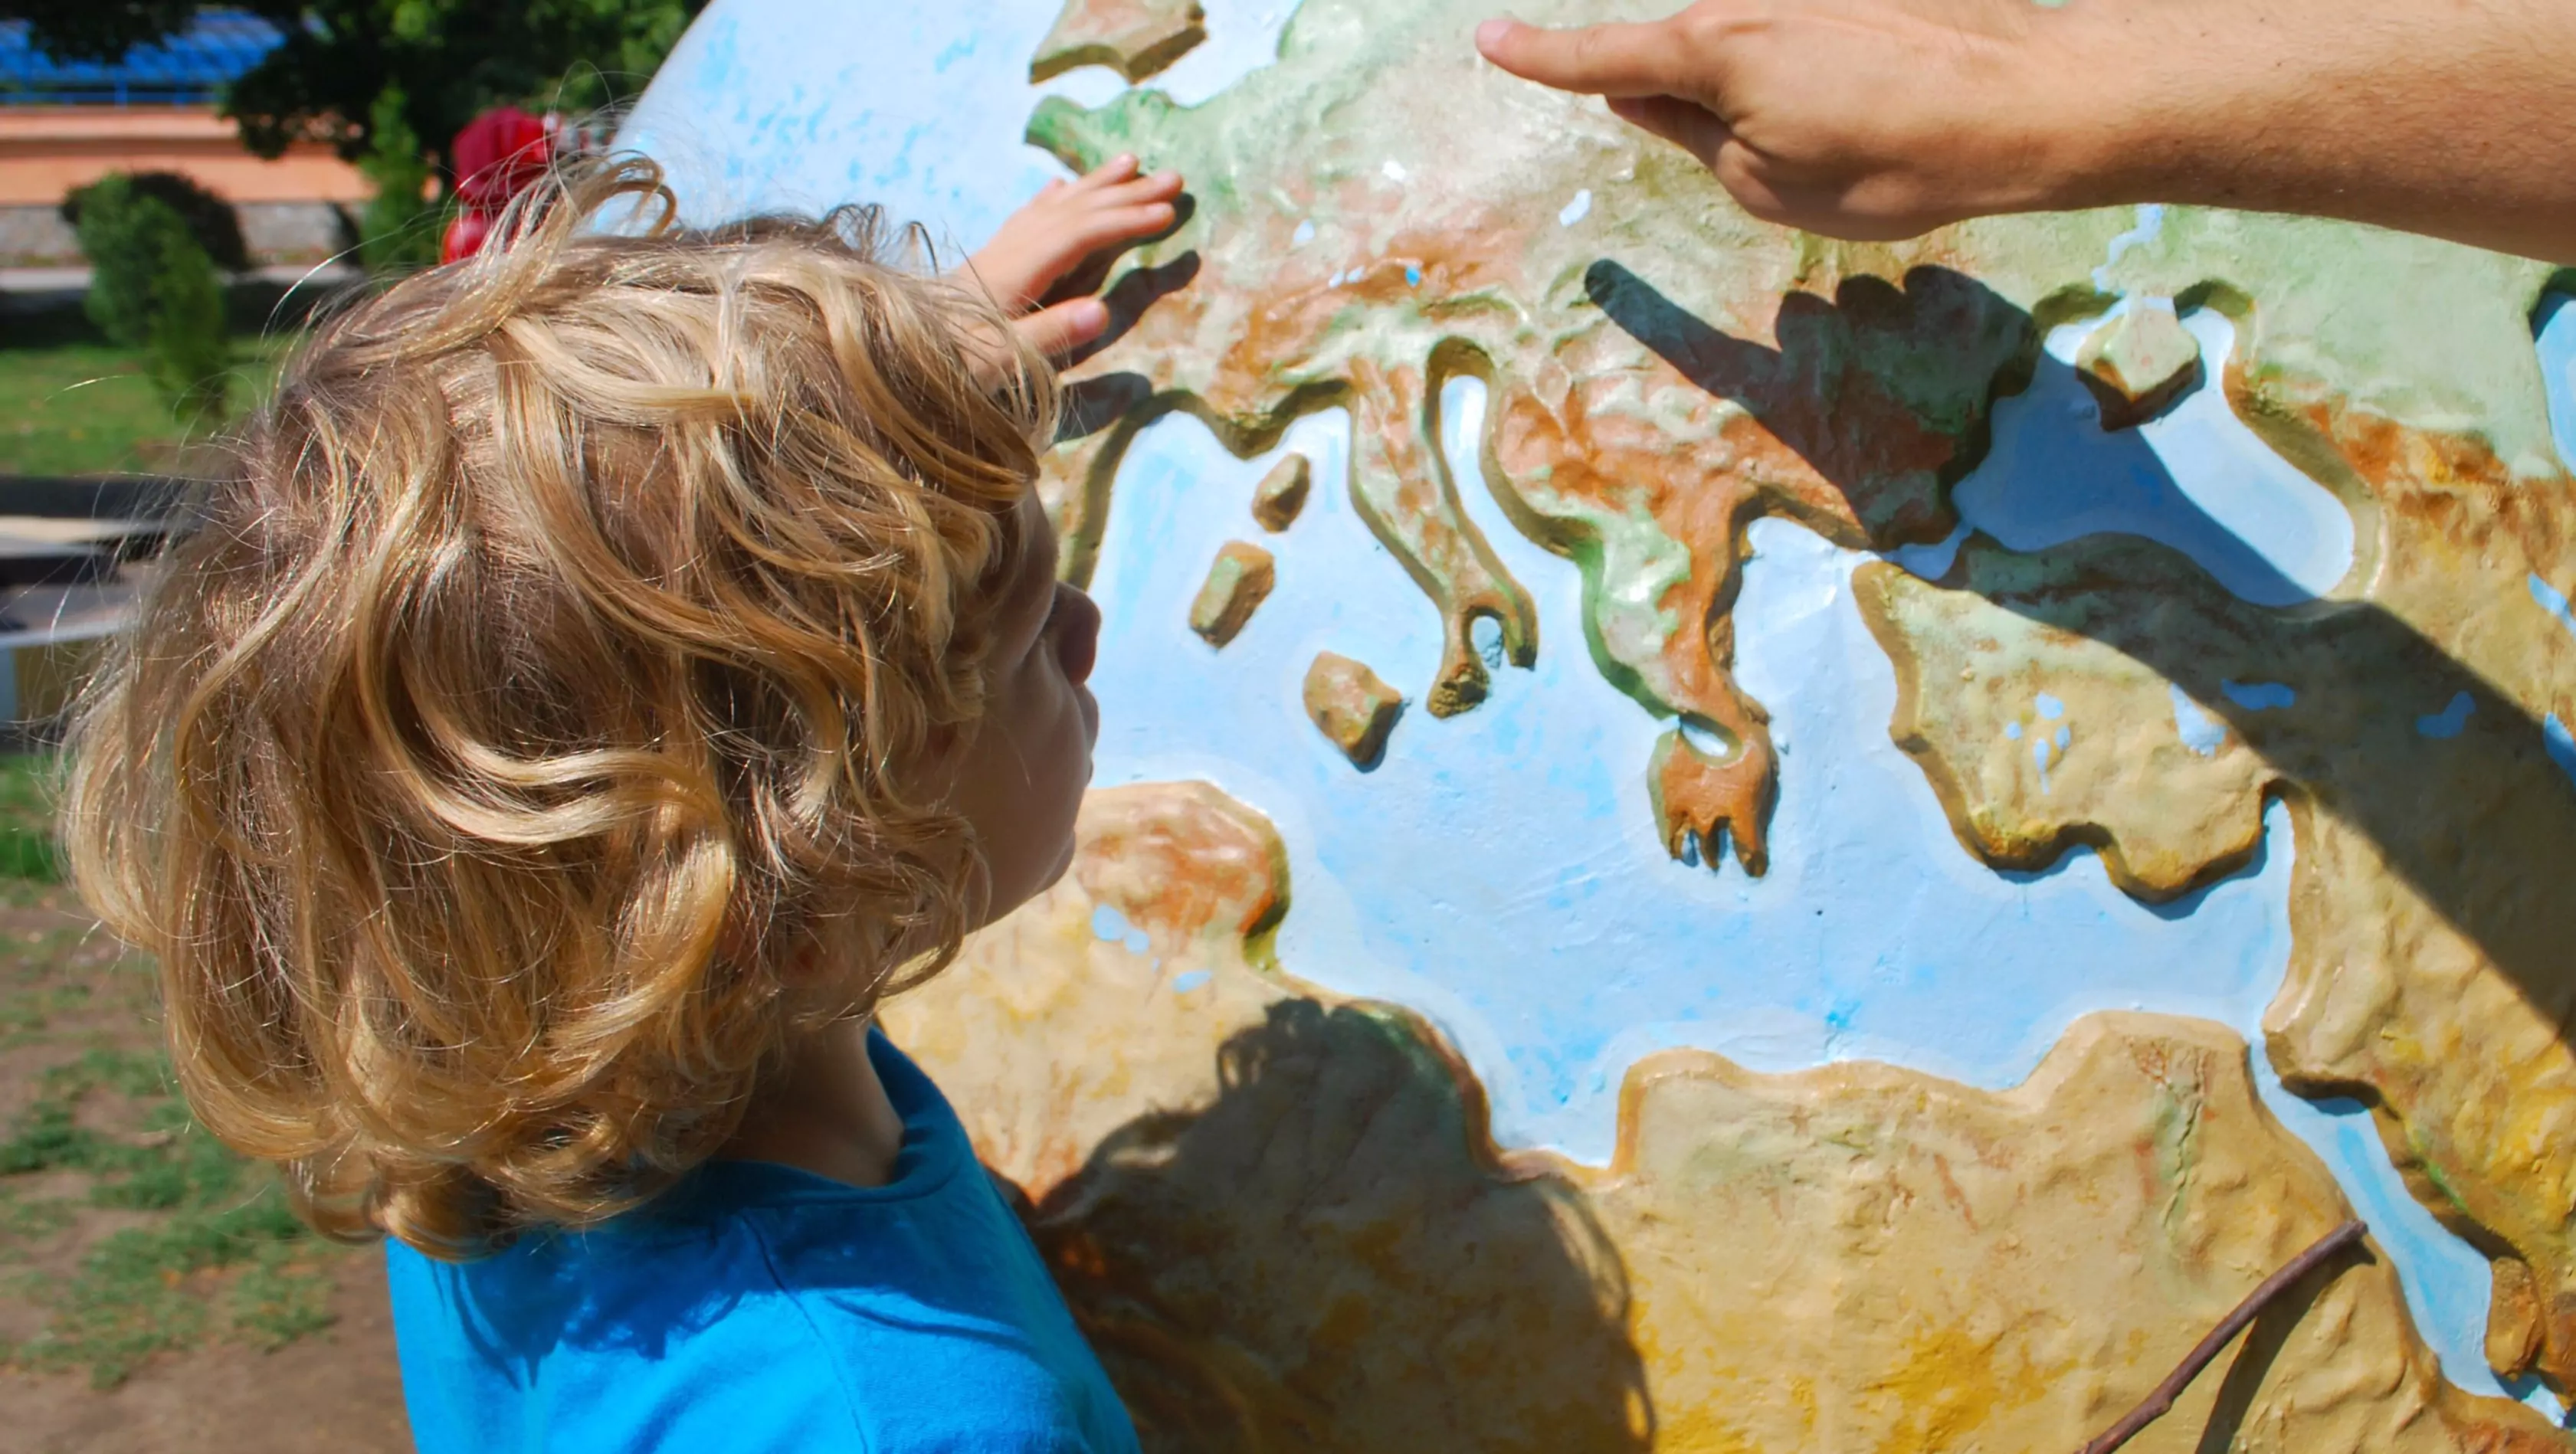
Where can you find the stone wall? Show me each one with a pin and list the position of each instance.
(277, 232)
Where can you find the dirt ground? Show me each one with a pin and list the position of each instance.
(154, 1292)
(334, 1390)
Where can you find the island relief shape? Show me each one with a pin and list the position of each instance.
(1378, 210)
(1278, 1214)
(1135, 38)
(2415, 722)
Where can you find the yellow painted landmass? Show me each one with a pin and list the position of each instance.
(2433, 970)
(1279, 1215)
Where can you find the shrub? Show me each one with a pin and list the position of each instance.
(400, 228)
(154, 288)
(211, 219)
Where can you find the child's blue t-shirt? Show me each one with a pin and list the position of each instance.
(758, 1307)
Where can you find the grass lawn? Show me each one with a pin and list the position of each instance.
(86, 408)
(125, 1230)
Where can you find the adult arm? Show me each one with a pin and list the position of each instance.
(1885, 118)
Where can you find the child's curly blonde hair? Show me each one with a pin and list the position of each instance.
(527, 723)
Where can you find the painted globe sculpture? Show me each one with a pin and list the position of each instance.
(1710, 839)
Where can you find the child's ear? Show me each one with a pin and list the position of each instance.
(802, 968)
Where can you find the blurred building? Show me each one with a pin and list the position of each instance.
(73, 552)
(66, 124)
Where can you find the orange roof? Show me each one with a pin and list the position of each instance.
(46, 151)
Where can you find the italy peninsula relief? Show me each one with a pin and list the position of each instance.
(1857, 1256)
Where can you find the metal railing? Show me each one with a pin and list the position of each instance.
(120, 94)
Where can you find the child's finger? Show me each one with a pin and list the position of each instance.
(1088, 237)
(1144, 189)
(1060, 330)
(1118, 224)
(1117, 169)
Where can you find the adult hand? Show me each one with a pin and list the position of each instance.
(1860, 118)
(1876, 119)
(1045, 261)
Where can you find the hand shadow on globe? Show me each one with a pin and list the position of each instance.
(2471, 857)
(1322, 1258)
(2450, 780)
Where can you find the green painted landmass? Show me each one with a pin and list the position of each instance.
(1379, 210)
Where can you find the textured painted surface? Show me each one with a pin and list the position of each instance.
(1136, 38)
(1378, 208)
(2137, 364)
(1551, 383)
(1352, 706)
(1238, 580)
(2431, 973)
(1282, 493)
(1280, 1217)
(2195, 478)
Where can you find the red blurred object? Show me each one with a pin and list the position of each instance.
(465, 236)
(498, 155)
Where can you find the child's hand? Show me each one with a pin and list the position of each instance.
(1051, 254)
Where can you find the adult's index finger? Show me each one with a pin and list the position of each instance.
(1603, 60)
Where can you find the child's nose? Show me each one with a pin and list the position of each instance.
(1077, 638)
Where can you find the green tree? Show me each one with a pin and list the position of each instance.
(154, 288)
(445, 60)
(212, 219)
(399, 230)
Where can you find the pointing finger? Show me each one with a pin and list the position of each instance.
(1604, 60)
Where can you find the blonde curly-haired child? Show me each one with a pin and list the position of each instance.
(619, 661)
